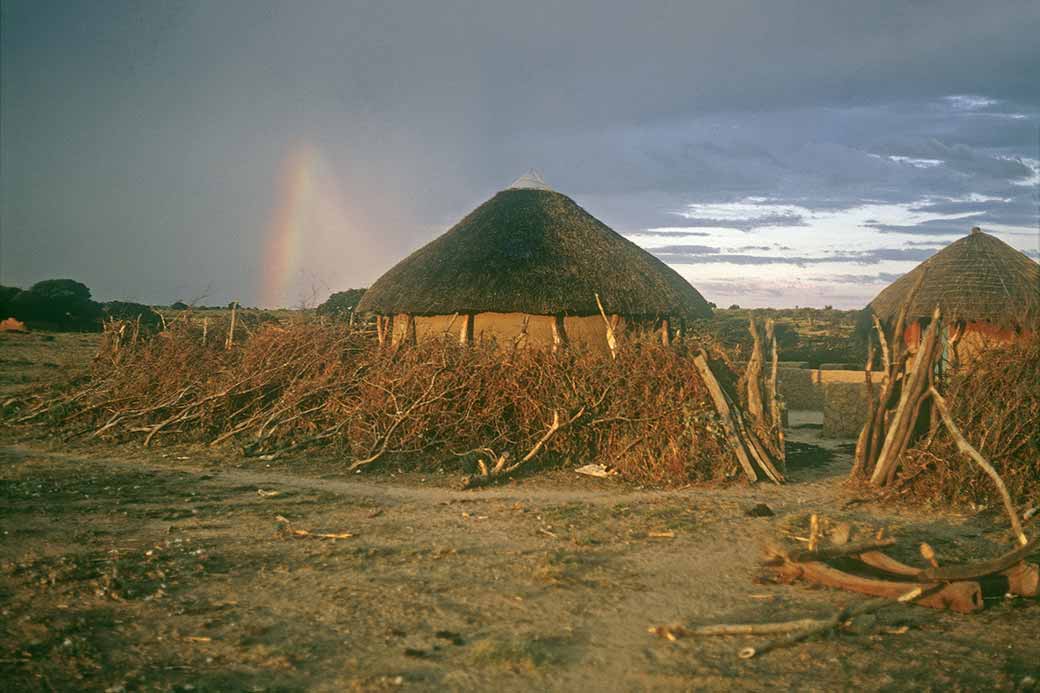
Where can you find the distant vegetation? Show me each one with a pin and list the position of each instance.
(66, 305)
(812, 335)
(341, 303)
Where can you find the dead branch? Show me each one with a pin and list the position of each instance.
(611, 339)
(825, 625)
(500, 470)
(964, 446)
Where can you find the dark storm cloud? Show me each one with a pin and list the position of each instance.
(145, 145)
(1017, 210)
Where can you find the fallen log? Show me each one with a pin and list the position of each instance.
(830, 552)
(1023, 578)
(962, 596)
(972, 571)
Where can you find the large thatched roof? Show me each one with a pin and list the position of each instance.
(532, 250)
(976, 278)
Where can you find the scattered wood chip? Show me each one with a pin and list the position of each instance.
(668, 534)
(670, 632)
(267, 494)
(198, 638)
(597, 470)
(304, 534)
(841, 533)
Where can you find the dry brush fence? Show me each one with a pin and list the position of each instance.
(651, 412)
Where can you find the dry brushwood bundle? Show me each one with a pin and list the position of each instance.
(996, 406)
(277, 390)
(911, 420)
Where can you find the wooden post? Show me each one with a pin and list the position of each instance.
(466, 333)
(205, 330)
(774, 398)
(666, 332)
(559, 333)
(753, 376)
(609, 325)
(409, 329)
(231, 330)
(381, 330)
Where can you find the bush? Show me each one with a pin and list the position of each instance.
(7, 293)
(126, 310)
(179, 305)
(57, 303)
(342, 303)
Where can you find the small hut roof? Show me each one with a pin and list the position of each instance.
(532, 250)
(976, 278)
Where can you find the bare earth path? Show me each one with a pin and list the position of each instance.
(146, 572)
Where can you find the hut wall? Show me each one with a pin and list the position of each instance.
(587, 331)
(977, 337)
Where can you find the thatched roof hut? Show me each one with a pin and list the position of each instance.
(982, 285)
(529, 262)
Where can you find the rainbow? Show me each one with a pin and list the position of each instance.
(309, 210)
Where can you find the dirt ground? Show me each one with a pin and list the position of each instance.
(168, 569)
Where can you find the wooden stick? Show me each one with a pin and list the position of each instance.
(831, 552)
(674, 632)
(964, 446)
(859, 457)
(725, 414)
(913, 387)
(611, 339)
(823, 625)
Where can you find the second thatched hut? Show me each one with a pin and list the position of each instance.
(988, 293)
(526, 267)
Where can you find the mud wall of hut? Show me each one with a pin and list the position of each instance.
(506, 328)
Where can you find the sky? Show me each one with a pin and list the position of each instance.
(774, 153)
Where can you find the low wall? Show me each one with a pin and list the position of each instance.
(844, 409)
(840, 394)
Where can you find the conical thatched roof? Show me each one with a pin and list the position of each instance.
(532, 250)
(978, 277)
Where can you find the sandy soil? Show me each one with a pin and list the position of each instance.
(131, 569)
(145, 572)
